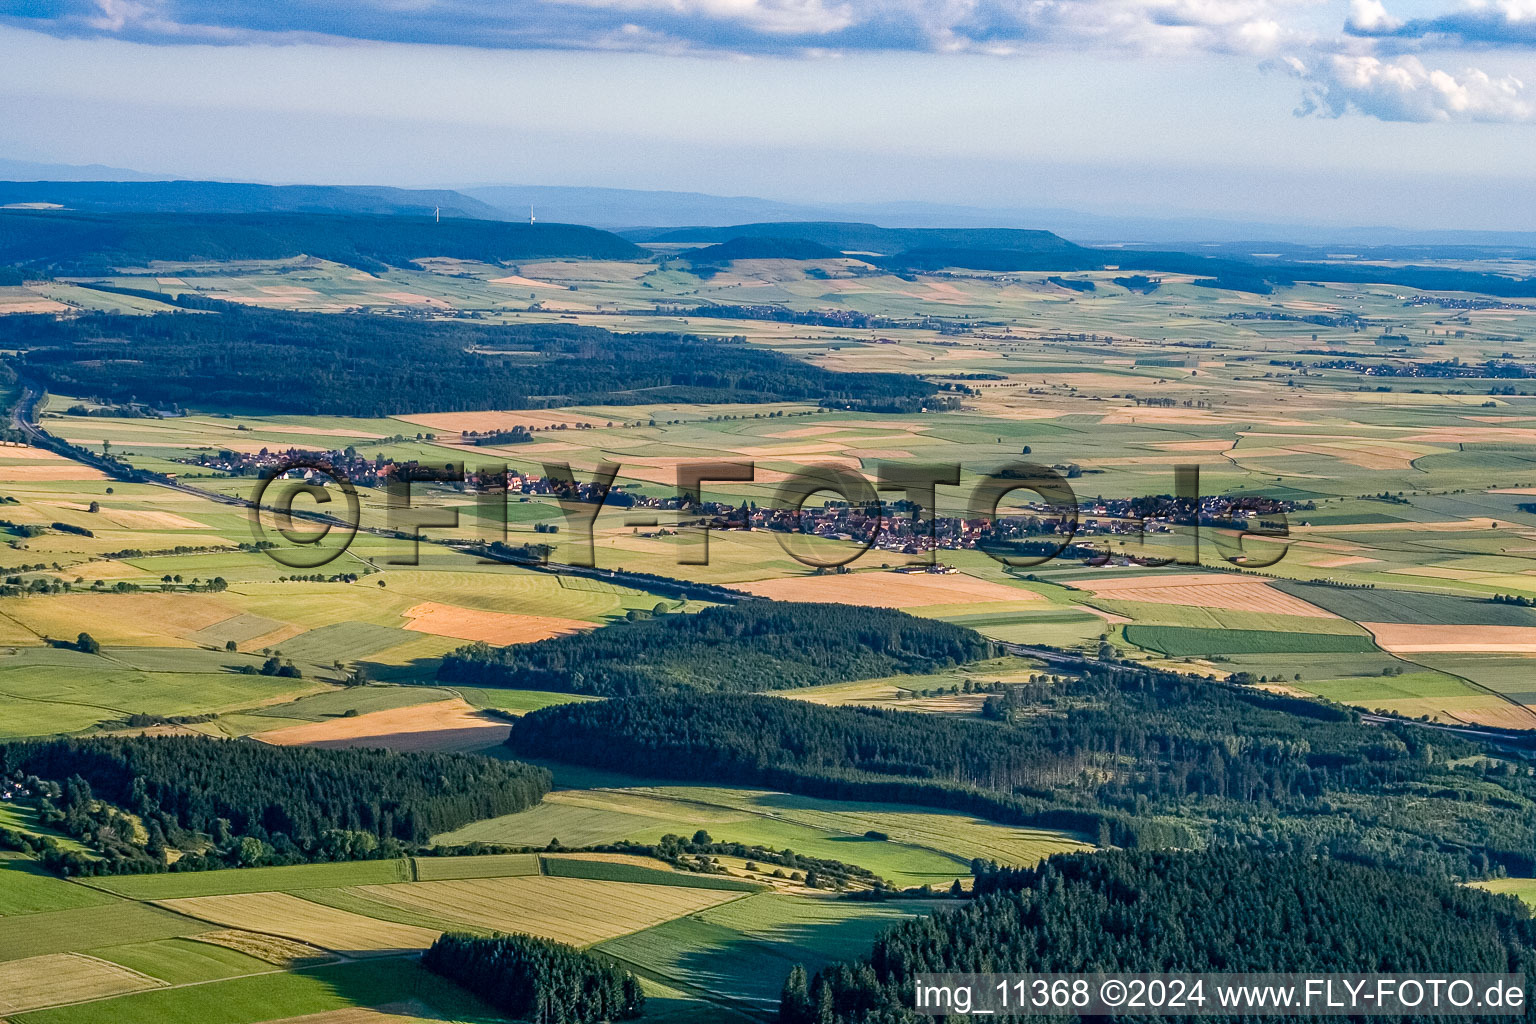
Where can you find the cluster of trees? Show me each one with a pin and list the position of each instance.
(239, 804)
(535, 979)
(756, 645)
(1130, 756)
(1151, 912)
(321, 363)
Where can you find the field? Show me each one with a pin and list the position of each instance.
(288, 916)
(1183, 641)
(446, 725)
(580, 911)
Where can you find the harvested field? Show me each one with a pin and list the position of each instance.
(280, 914)
(143, 519)
(889, 589)
(1413, 637)
(499, 628)
(393, 1013)
(64, 978)
(443, 725)
(268, 948)
(37, 471)
(1205, 590)
(575, 910)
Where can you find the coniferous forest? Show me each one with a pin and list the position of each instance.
(755, 645)
(535, 979)
(1222, 910)
(1129, 756)
(254, 803)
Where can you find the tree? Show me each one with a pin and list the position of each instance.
(87, 644)
(795, 997)
(231, 646)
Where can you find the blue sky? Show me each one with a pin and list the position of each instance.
(1414, 112)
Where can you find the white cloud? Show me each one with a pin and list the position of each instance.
(1405, 90)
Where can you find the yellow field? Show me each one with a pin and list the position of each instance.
(443, 725)
(278, 913)
(580, 911)
(272, 949)
(1205, 590)
(500, 628)
(1426, 638)
(64, 978)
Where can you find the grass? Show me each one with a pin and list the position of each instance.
(183, 961)
(87, 928)
(27, 888)
(233, 881)
(610, 871)
(275, 996)
(1185, 641)
(434, 869)
(1523, 889)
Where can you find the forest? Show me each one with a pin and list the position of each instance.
(751, 646)
(1132, 757)
(253, 803)
(96, 243)
(268, 361)
(1235, 911)
(535, 979)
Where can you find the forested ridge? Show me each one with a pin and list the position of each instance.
(1221, 910)
(1130, 756)
(237, 357)
(752, 646)
(232, 803)
(535, 979)
(98, 243)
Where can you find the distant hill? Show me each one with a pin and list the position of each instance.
(852, 237)
(763, 249)
(242, 197)
(31, 170)
(65, 242)
(632, 208)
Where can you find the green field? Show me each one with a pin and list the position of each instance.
(238, 880)
(1185, 641)
(87, 928)
(27, 888)
(183, 961)
(608, 871)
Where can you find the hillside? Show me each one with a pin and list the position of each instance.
(847, 237)
(1137, 757)
(763, 248)
(87, 243)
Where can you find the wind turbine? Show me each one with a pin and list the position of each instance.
(437, 214)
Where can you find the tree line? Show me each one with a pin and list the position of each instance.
(1129, 756)
(1220, 910)
(238, 804)
(755, 645)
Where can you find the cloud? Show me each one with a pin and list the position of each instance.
(795, 27)
(1405, 90)
(1482, 23)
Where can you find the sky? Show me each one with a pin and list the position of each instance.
(1415, 113)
